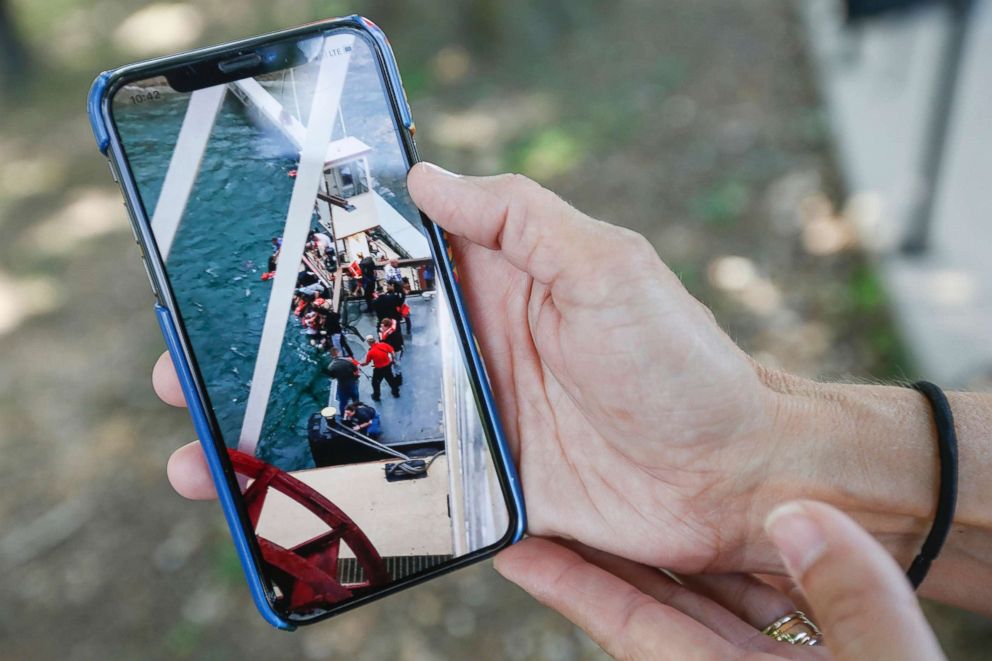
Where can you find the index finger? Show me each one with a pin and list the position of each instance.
(534, 229)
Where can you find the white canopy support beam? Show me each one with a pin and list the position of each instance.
(323, 112)
(184, 166)
(252, 94)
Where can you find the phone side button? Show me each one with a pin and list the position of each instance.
(151, 283)
(130, 223)
(112, 173)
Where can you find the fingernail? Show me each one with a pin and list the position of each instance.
(438, 170)
(796, 535)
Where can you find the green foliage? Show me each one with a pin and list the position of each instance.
(865, 290)
(226, 566)
(183, 639)
(548, 153)
(416, 81)
(35, 19)
(721, 204)
(865, 313)
(690, 275)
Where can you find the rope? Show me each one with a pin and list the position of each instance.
(369, 442)
(405, 466)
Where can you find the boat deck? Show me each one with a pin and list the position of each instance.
(416, 416)
(408, 518)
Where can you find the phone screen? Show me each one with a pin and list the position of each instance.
(302, 275)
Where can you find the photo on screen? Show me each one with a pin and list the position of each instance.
(302, 275)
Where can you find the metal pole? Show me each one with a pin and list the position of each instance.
(917, 238)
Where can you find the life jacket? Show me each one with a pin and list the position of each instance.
(389, 330)
(354, 269)
(392, 336)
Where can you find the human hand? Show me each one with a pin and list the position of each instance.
(860, 597)
(639, 427)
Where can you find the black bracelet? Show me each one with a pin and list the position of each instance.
(947, 442)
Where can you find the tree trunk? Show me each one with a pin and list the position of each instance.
(13, 50)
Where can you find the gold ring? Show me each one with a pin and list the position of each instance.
(794, 628)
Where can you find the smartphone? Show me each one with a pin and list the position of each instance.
(312, 313)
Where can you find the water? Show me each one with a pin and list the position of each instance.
(237, 206)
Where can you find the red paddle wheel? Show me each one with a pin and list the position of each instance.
(307, 574)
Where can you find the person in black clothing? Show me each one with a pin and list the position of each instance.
(345, 372)
(332, 329)
(389, 332)
(386, 306)
(368, 279)
(363, 418)
(400, 291)
(305, 278)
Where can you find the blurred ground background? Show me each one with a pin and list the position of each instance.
(698, 124)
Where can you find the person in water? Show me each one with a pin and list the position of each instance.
(273, 259)
(331, 328)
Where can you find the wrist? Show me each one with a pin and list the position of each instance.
(872, 452)
(867, 450)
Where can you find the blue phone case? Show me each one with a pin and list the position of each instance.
(220, 468)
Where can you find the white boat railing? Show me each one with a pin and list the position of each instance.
(184, 166)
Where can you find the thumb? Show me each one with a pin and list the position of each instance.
(861, 597)
(534, 229)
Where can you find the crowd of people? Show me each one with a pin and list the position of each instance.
(384, 296)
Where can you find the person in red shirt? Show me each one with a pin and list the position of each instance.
(380, 355)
